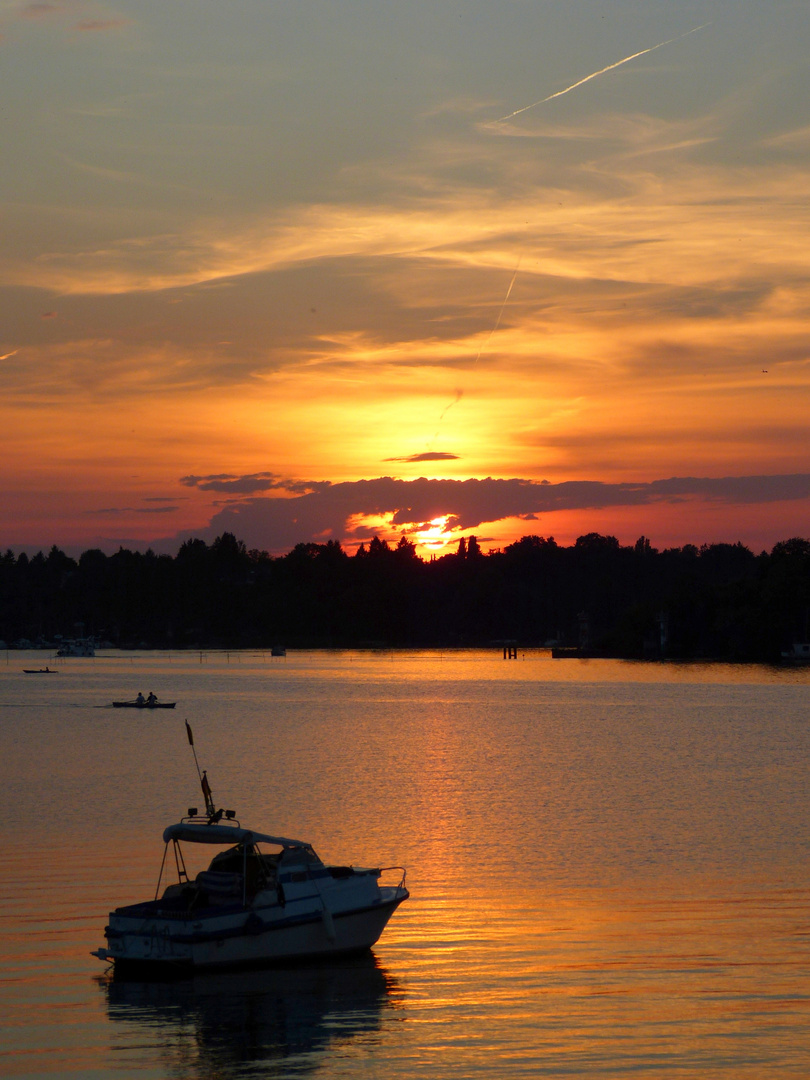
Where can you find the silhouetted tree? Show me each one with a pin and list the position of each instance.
(716, 600)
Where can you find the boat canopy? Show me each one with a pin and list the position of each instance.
(225, 834)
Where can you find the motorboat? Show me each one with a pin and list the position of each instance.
(145, 704)
(39, 671)
(261, 899)
(77, 647)
(798, 653)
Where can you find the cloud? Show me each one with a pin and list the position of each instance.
(429, 455)
(342, 511)
(235, 485)
(116, 511)
(95, 20)
(40, 10)
(95, 25)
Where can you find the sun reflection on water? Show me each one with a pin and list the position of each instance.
(606, 865)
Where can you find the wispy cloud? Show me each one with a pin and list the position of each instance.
(101, 25)
(123, 511)
(40, 9)
(81, 15)
(231, 484)
(235, 485)
(428, 455)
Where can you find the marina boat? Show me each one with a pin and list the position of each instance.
(39, 671)
(262, 899)
(144, 704)
(798, 653)
(77, 647)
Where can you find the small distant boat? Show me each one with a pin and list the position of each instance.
(278, 650)
(39, 671)
(262, 899)
(77, 647)
(144, 704)
(798, 653)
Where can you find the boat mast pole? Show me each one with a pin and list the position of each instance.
(206, 787)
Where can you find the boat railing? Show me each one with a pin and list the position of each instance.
(386, 869)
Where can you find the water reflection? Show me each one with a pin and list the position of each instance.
(217, 1024)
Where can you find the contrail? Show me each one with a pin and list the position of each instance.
(447, 408)
(503, 305)
(610, 67)
(445, 411)
(460, 393)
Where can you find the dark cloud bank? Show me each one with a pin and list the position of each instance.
(319, 511)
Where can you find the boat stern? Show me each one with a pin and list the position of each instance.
(138, 937)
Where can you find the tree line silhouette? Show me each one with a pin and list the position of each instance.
(718, 601)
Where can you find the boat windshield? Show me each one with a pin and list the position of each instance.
(233, 875)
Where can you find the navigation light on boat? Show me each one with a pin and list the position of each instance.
(192, 811)
(230, 814)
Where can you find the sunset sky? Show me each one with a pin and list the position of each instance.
(308, 270)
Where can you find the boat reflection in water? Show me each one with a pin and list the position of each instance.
(213, 1023)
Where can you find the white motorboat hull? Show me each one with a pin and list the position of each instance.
(261, 934)
(250, 906)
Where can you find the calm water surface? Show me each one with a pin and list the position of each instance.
(608, 864)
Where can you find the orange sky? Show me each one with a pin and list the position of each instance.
(291, 251)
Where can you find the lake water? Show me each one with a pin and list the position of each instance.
(608, 864)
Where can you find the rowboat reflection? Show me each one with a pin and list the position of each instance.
(211, 1023)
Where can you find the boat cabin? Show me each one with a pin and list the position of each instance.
(240, 872)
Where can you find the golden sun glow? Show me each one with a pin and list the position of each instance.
(434, 538)
(598, 293)
(430, 539)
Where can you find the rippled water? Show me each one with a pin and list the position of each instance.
(608, 864)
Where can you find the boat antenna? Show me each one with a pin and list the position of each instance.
(206, 787)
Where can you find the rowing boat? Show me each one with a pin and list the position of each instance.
(144, 704)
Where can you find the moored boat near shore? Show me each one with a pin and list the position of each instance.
(798, 653)
(261, 899)
(77, 647)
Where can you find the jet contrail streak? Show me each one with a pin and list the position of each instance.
(455, 401)
(500, 313)
(460, 393)
(445, 411)
(602, 71)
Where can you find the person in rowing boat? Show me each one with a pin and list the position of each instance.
(151, 700)
(140, 699)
